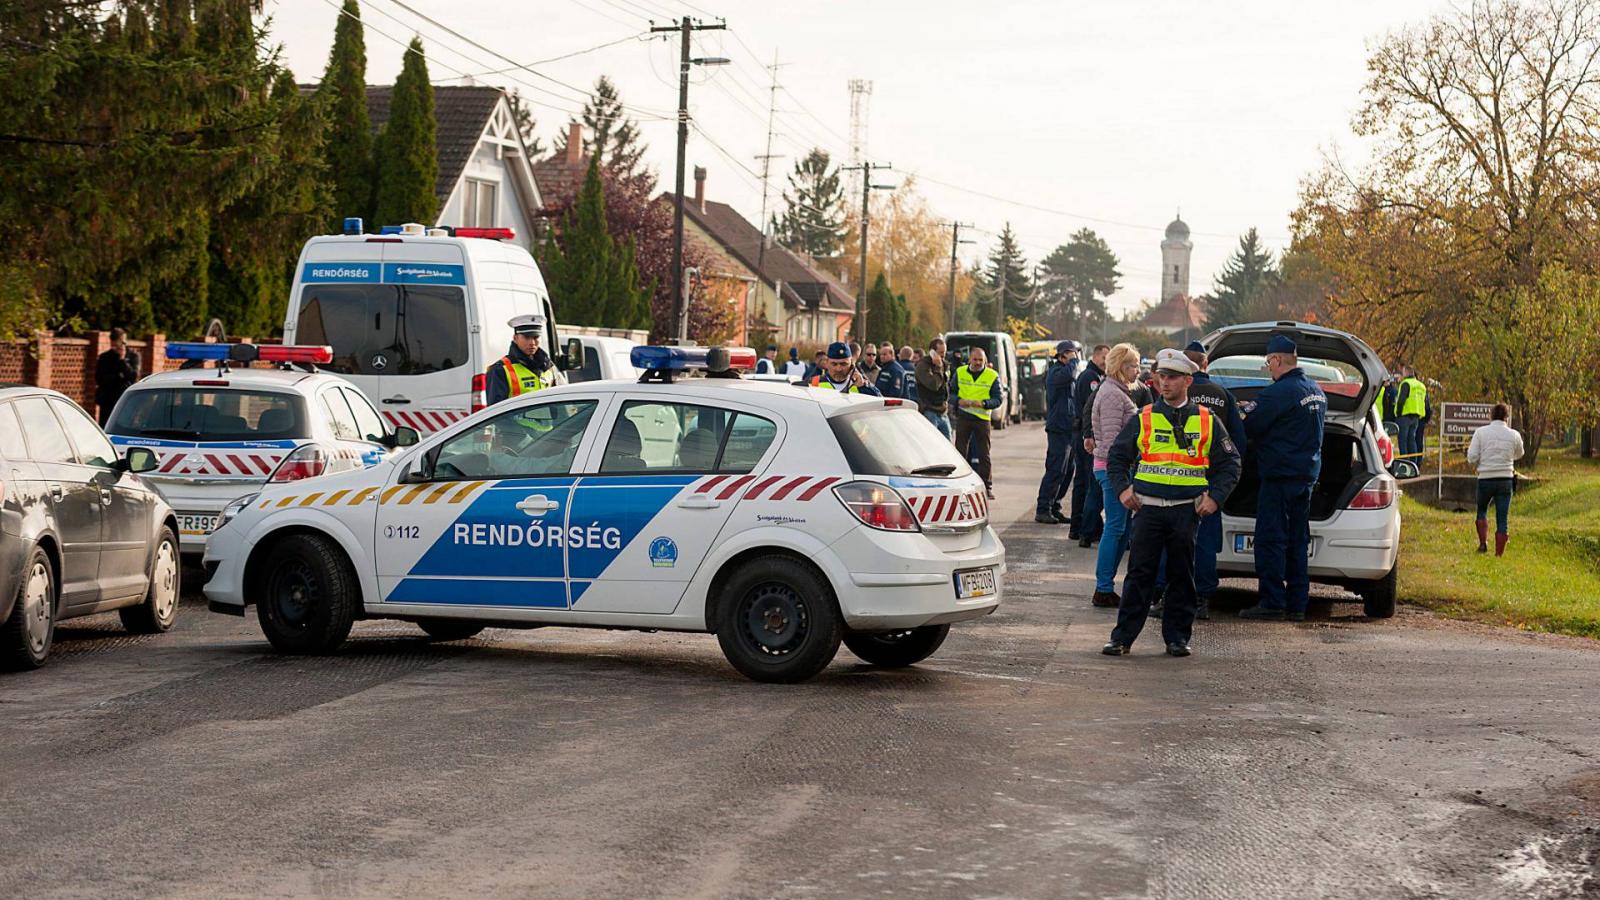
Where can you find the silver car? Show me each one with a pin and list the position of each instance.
(1355, 506)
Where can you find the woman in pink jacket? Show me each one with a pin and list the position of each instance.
(1113, 407)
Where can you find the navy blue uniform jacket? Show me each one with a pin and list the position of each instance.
(497, 388)
(1123, 458)
(1285, 428)
(1059, 382)
(1083, 396)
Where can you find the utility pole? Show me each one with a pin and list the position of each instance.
(766, 166)
(955, 244)
(867, 187)
(686, 30)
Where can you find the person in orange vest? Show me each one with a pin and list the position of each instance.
(525, 368)
(840, 373)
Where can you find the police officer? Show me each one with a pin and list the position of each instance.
(1087, 516)
(1183, 467)
(1059, 434)
(840, 373)
(977, 391)
(1208, 542)
(1412, 405)
(1285, 428)
(525, 368)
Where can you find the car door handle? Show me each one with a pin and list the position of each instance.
(396, 400)
(105, 496)
(699, 501)
(55, 491)
(537, 505)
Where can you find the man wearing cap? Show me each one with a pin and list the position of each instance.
(840, 373)
(768, 363)
(1208, 542)
(1059, 435)
(1182, 468)
(976, 388)
(1285, 430)
(525, 368)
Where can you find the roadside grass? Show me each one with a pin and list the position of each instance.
(1549, 579)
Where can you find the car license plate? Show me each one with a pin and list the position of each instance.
(975, 583)
(198, 523)
(1246, 543)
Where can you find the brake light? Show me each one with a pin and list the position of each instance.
(1386, 449)
(307, 461)
(893, 401)
(1379, 493)
(877, 506)
(480, 385)
(210, 382)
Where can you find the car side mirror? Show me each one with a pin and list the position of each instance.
(138, 459)
(573, 357)
(403, 436)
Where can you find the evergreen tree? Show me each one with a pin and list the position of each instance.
(349, 144)
(814, 222)
(609, 134)
(1246, 277)
(593, 277)
(1005, 282)
(527, 125)
(1082, 273)
(891, 316)
(407, 153)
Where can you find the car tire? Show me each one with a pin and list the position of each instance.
(26, 636)
(1378, 596)
(309, 596)
(449, 629)
(896, 649)
(779, 621)
(160, 607)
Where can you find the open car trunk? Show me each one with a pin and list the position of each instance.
(1344, 473)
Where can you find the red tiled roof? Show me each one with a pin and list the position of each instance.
(804, 284)
(1172, 312)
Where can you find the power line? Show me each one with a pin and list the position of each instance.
(637, 36)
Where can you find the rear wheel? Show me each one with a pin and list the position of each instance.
(449, 629)
(308, 597)
(896, 649)
(779, 621)
(26, 635)
(160, 607)
(1378, 596)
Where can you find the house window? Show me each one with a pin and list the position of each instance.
(481, 204)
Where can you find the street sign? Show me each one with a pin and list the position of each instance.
(1459, 420)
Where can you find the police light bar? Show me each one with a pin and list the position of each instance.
(302, 353)
(678, 359)
(305, 353)
(496, 234)
(199, 351)
(353, 225)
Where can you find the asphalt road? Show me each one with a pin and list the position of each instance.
(1343, 757)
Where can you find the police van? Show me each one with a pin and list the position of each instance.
(221, 432)
(415, 315)
(781, 518)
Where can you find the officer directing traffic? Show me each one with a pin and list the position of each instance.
(1285, 433)
(525, 367)
(840, 373)
(1183, 466)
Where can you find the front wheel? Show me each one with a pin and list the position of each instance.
(309, 596)
(1378, 597)
(449, 629)
(896, 649)
(779, 621)
(25, 636)
(160, 607)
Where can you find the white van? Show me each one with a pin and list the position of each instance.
(416, 316)
(1002, 353)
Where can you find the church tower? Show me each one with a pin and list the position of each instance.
(1175, 251)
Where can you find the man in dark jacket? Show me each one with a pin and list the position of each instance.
(1208, 541)
(1060, 434)
(933, 387)
(1285, 428)
(891, 380)
(525, 367)
(1087, 523)
(1171, 467)
(114, 372)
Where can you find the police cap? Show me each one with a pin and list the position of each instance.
(532, 324)
(1195, 347)
(1068, 347)
(1173, 362)
(1281, 343)
(838, 350)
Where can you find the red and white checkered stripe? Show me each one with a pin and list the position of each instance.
(775, 488)
(425, 421)
(931, 509)
(230, 463)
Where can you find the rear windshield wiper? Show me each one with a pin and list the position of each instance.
(940, 469)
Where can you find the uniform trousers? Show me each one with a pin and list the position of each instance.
(1057, 471)
(1283, 544)
(972, 441)
(1155, 530)
(1086, 496)
(1207, 544)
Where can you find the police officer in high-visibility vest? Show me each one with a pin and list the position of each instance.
(840, 373)
(1172, 465)
(1412, 405)
(977, 391)
(525, 368)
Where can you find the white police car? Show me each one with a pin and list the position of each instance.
(780, 517)
(223, 432)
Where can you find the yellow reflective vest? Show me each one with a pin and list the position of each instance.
(1416, 398)
(819, 381)
(1162, 460)
(975, 388)
(521, 379)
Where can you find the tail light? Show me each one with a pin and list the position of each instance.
(877, 506)
(1379, 493)
(307, 461)
(479, 386)
(893, 401)
(1386, 449)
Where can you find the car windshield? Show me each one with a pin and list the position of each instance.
(385, 329)
(896, 441)
(1336, 377)
(201, 414)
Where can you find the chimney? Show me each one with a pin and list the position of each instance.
(700, 188)
(574, 143)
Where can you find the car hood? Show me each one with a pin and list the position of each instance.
(1347, 401)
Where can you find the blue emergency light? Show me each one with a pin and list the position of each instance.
(199, 351)
(390, 229)
(353, 225)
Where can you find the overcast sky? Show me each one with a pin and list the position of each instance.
(1105, 115)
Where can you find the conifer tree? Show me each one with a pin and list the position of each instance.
(407, 154)
(593, 277)
(527, 124)
(1245, 278)
(609, 134)
(1005, 284)
(349, 144)
(814, 222)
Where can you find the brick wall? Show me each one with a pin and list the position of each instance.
(66, 364)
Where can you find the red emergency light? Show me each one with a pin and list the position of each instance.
(495, 234)
(741, 358)
(295, 353)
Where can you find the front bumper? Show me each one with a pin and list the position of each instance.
(894, 580)
(1353, 545)
(225, 555)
